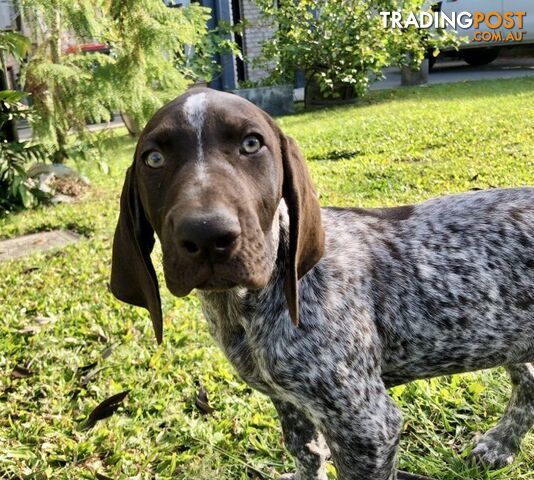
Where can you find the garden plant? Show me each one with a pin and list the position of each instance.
(343, 46)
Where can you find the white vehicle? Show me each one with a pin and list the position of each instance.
(501, 23)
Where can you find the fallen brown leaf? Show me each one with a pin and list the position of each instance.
(21, 372)
(105, 409)
(202, 402)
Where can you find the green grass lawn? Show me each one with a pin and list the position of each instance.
(56, 314)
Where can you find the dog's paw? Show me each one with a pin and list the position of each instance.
(493, 453)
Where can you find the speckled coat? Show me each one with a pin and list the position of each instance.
(324, 309)
(400, 294)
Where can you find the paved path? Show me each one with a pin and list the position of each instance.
(459, 71)
(36, 242)
(451, 71)
(25, 132)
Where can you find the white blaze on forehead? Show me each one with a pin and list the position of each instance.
(195, 112)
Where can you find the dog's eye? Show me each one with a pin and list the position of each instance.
(251, 144)
(155, 159)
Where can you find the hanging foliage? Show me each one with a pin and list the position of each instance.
(145, 62)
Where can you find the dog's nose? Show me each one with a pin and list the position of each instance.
(214, 236)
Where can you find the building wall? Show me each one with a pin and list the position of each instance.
(257, 31)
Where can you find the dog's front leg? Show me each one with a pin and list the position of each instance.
(361, 425)
(304, 442)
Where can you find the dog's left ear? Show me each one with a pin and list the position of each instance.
(133, 278)
(306, 234)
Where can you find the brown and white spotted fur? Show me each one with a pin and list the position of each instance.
(324, 309)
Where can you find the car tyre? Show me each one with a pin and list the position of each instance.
(479, 56)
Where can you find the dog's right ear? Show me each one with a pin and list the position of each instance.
(133, 278)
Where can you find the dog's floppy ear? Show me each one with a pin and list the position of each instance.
(306, 234)
(133, 278)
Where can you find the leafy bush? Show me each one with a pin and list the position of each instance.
(336, 43)
(342, 45)
(155, 52)
(16, 189)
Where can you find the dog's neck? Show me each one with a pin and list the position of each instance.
(239, 304)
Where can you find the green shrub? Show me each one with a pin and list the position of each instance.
(342, 45)
(16, 189)
(155, 52)
(336, 43)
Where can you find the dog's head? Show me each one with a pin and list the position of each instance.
(208, 174)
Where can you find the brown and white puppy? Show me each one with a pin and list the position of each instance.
(324, 324)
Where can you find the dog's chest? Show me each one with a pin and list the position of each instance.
(228, 327)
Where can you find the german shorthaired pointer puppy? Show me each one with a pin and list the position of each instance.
(324, 309)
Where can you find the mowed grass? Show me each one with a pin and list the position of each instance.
(56, 314)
